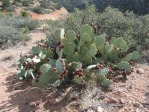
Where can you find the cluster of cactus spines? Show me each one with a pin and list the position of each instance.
(80, 57)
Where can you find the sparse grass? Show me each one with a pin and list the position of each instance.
(15, 29)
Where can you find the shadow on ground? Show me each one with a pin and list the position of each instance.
(25, 98)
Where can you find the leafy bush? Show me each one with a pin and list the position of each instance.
(10, 8)
(77, 57)
(25, 3)
(15, 29)
(132, 28)
(57, 6)
(10, 35)
(31, 24)
(24, 13)
(37, 10)
(5, 3)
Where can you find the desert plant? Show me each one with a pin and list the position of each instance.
(37, 9)
(24, 13)
(5, 3)
(10, 30)
(26, 22)
(57, 5)
(134, 29)
(25, 3)
(78, 58)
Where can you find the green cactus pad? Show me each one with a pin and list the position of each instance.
(128, 57)
(49, 54)
(119, 42)
(68, 48)
(60, 64)
(86, 29)
(70, 36)
(87, 58)
(124, 48)
(109, 48)
(57, 83)
(45, 68)
(45, 79)
(78, 65)
(100, 40)
(43, 50)
(104, 71)
(101, 49)
(113, 39)
(83, 50)
(21, 73)
(85, 37)
(106, 83)
(29, 60)
(21, 60)
(93, 50)
(135, 55)
(36, 50)
(124, 65)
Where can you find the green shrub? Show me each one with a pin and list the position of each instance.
(25, 3)
(5, 3)
(57, 6)
(10, 35)
(10, 8)
(132, 28)
(26, 22)
(15, 29)
(37, 10)
(24, 13)
(77, 58)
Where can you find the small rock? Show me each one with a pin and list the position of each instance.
(90, 110)
(122, 101)
(100, 109)
(74, 95)
(140, 71)
(37, 104)
(136, 104)
(112, 100)
(52, 101)
(122, 93)
(146, 110)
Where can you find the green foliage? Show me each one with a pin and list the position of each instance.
(26, 22)
(24, 13)
(37, 10)
(10, 31)
(134, 29)
(25, 3)
(57, 5)
(5, 3)
(77, 58)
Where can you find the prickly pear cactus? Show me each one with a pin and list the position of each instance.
(77, 57)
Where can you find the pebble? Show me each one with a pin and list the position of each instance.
(100, 109)
(52, 101)
(74, 95)
(122, 93)
(90, 110)
(122, 101)
(136, 104)
(140, 71)
(111, 100)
